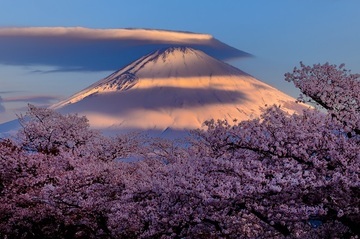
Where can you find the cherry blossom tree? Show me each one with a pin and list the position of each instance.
(49, 132)
(59, 196)
(302, 170)
(58, 177)
(333, 88)
(278, 176)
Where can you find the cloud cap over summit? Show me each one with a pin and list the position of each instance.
(83, 49)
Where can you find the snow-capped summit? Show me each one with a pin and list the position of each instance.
(171, 62)
(177, 88)
(181, 61)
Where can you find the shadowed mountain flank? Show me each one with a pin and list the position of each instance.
(156, 99)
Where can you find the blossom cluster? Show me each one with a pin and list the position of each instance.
(278, 176)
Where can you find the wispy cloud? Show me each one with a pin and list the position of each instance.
(75, 49)
(37, 99)
(8, 92)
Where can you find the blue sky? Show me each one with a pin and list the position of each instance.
(279, 34)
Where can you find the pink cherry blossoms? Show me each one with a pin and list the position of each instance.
(279, 176)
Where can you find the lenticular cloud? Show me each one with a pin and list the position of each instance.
(83, 49)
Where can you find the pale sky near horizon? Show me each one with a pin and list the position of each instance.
(279, 34)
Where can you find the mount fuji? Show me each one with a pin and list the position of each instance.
(175, 88)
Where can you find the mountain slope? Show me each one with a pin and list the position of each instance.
(177, 88)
